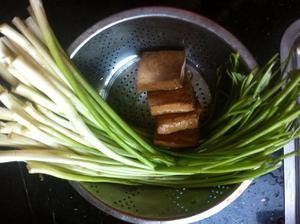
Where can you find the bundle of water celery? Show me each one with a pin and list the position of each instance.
(53, 120)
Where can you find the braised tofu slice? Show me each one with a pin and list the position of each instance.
(180, 139)
(170, 123)
(173, 101)
(160, 70)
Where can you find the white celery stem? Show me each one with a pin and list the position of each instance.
(18, 75)
(40, 82)
(46, 104)
(16, 106)
(61, 157)
(40, 132)
(48, 122)
(105, 172)
(33, 27)
(11, 101)
(111, 173)
(48, 58)
(22, 52)
(15, 140)
(33, 155)
(16, 128)
(40, 49)
(6, 114)
(36, 97)
(33, 135)
(21, 41)
(23, 78)
(42, 168)
(2, 124)
(53, 170)
(11, 127)
(72, 97)
(24, 119)
(6, 54)
(30, 12)
(7, 76)
(15, 49)
(44, 155)
(59, 138)
(56, 118)
(9, 45)
(59, 119)
(44, 141)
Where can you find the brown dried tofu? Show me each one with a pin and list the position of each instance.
(170, 123)
(181, 139)
(160, 70)
(173, 101)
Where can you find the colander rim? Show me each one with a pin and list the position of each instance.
(163, 11)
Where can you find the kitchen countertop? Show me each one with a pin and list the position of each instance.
(259, 24)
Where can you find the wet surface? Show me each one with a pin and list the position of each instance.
(261, 203)
(259, 24)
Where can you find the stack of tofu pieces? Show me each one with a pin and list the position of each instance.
(171, 98)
